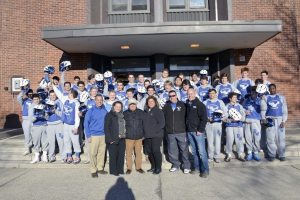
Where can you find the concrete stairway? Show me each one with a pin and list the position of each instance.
(11, 155)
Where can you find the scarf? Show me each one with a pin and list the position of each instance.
(121, 123)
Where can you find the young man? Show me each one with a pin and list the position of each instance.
(120, 93)
(244, 84)
(252, 127)
(129, 95)
(194, 79)
(150, 92)
(131, 83)
(67, 88)
(203, 88)
(111, 99)
(38, 130)
(55, 81)
(91, 82)
(54, 126)
(75, 83)
(168, 86)
(264, 76)
(224, 88)
(175, 113)
(274, 108)
(234, 128)
(80, 87)
(71, 120)
(214, 125)
(183, 91)
(94, 129)
(141, 80)
(196, 120)
(25, 99)
(164, 75)
(147, 83)
(134, 119)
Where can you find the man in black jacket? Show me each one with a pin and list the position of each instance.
(175, 113)
(196, 121)
(134, 135)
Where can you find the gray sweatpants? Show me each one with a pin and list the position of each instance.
(214, 135)
(234, 134)
(39, 138)
(71, 139)
(178, 142)
(55, 132)
(252, 130)
(26, 126)
(276, 139)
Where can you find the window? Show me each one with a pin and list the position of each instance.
(129, 6)
(186, 5)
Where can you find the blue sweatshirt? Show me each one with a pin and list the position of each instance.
(253, 106)
(55, 118)
(94, 121)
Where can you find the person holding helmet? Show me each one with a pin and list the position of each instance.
(234, 128)
(91, 82)
(252, 127)
(244, 84)
(54, 126)
(216, 113)
(25, 99)
(224, 88)
(274, 108)
(203, 88)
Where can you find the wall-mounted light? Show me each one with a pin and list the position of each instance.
(125, 47)
(195, 45)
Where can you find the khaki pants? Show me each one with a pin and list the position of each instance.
(97, 153)
(137, 146)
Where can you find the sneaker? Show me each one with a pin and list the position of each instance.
(76, 160)
(227, 158)
(94, 175)
(141, 171)
(69, 160)
(173, 169)
(204, 175)
(249, 157)
(27, 152)
(210, 160)
(241, 158)
(36, 158)
(271, 159)
(151, 170)
(194, 171)
(186, 171)
(86, 162)
(217, 160)
(128, 171)
(102, 172)
(282, 159)
(52, 159)
(45, 157)
(256, 157)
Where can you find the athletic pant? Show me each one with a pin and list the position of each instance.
(276, 139)
(178, 142)
(26, 126)
(70, 139)
(55, 132)
(252, 130)
(234, 134)
(97, 153)
(135, 145)
(39, 138)
(214, 135)
(152, 146)
(116, 157)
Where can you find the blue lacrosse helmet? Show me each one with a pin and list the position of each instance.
(43, 94)
(269, 122)
(217, 116)
(83, 109)
(100, 85)
(49, 69)
(64, 66)
(39, 111)
(50, 106)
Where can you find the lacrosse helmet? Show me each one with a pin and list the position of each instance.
(64, 66)
(99, 77)
(39, 110)
(49, 69)
(141, 89)
(235, 114)
(84, 96)
(24, 82)
(83, 109)
(43, 84)
(203, 72)
(261, 89)
(217, 116)
(269, 122)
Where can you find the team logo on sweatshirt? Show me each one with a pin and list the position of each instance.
(178, 108)
(274, 104)
(225, 91)
(244, 86)
(68, 109)
(212, 108)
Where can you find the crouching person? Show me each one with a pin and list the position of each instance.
(38, 130)
(134, 135)
(94, 130)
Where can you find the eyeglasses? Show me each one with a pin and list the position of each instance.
(172, 96)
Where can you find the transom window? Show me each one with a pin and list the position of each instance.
(128, 6)
(186, 5)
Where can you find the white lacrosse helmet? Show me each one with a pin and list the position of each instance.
(43, 84)
(107, 74)
(50, 102)
(235, 114)
(261, 89)
(39, 107)
(99, 77)
(84, 96)
(203, 72)
(236, 91)
(24, 82)
(162, 102)
(141, 89)
(219, 111)
(154, 81)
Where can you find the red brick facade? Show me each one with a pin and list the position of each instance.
(24, 53)
(279, 55)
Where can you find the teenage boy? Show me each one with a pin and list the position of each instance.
(224, 88)
(244, 84)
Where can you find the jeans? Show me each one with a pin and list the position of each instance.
(199, 152)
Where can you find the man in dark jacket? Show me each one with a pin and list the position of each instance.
(196, 120)
(134, 135)
(175, 113)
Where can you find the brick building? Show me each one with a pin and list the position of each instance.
(147, 35)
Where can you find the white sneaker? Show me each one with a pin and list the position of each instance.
(186, 171)
(173, 169)
(36, 158)
(26, 153)
(210, 160)
(44, 157)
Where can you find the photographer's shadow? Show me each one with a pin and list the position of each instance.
(120, 191)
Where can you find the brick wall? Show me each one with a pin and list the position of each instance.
(22, 50)
(279, 55)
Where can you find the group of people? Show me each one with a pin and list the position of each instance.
(136, 118)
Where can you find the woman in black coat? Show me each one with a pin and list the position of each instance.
(154, 131)
(114, 127)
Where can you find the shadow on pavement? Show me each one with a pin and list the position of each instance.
(120, 191)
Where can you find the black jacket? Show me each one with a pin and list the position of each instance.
(134, 124)
(175, 120)
(111, 128)
(154, 123)
(196, 117)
